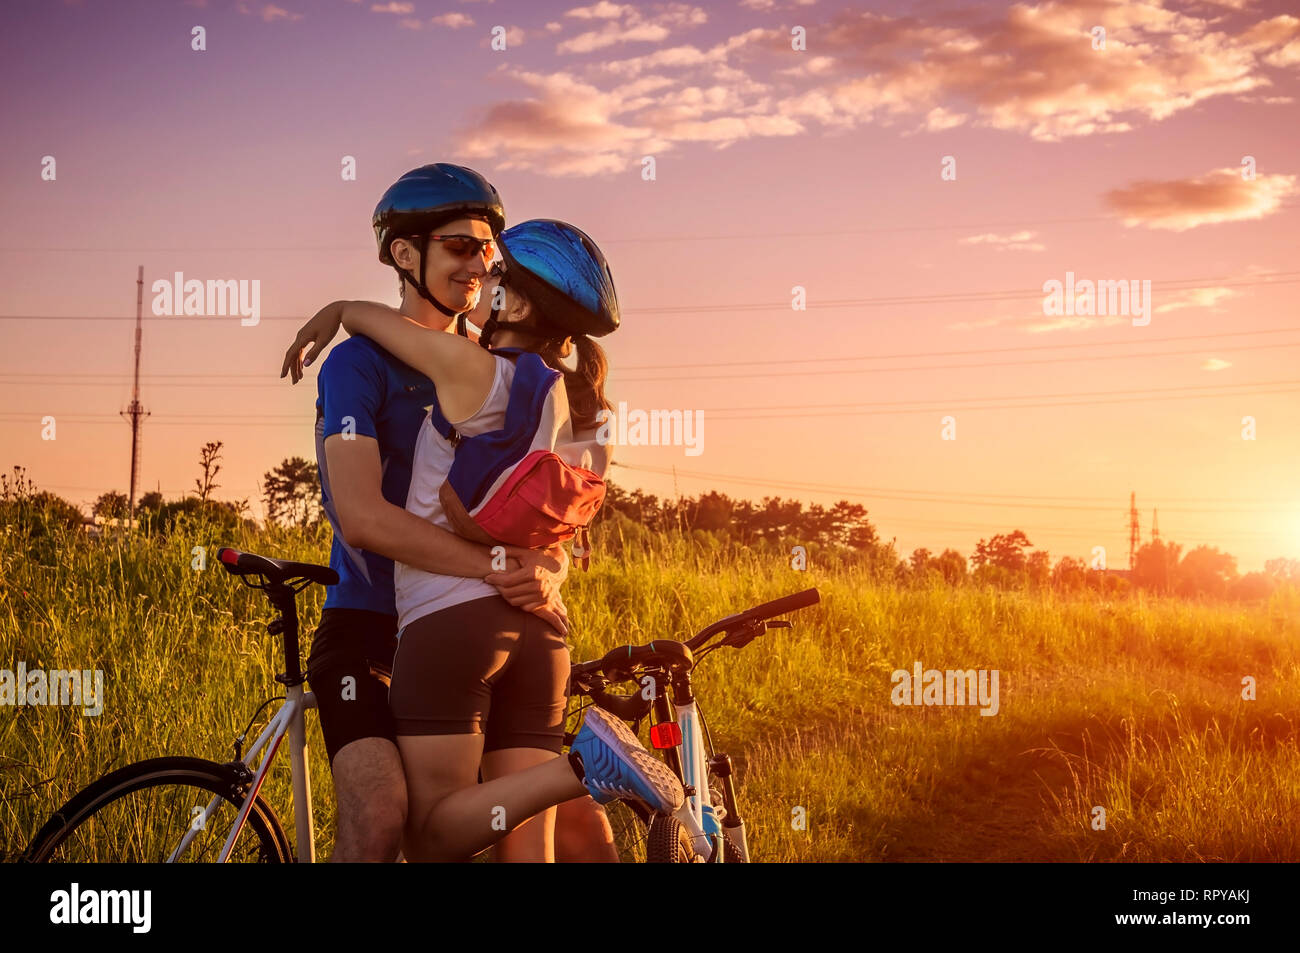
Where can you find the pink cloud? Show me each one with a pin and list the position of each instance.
(1194, 298)
(268, 13)
(453, 21)
(1030, 68)
(566, 127)
(1217, 197)
(604, 10)
(623, 23)
(1017, 241)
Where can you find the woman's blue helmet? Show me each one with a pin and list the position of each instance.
(563, 273)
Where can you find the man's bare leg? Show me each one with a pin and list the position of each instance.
(371, 792)
(583, 834)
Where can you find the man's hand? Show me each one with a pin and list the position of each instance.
(316, 333)
(535, 585)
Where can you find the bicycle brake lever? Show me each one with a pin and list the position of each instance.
(742, 637)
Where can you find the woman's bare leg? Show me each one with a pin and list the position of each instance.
(450, 817)
(533, 842)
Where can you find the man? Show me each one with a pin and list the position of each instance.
(436, 227)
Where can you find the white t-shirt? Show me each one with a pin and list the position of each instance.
(419, 592)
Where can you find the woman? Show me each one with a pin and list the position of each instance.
(477, 681)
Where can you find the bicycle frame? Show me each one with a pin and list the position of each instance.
(288, 719)
(696, 813)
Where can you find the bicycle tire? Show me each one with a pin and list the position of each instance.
(669, 843)
(664, 835)
(262, 838)
(730, 849)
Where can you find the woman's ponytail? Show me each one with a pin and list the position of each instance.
(585, 384)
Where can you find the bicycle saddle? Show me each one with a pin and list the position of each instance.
(277, 571)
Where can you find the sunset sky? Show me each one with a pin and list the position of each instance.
(774, 168)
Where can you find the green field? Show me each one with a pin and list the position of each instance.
(1133, 705)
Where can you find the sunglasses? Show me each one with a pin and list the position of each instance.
(467, 246)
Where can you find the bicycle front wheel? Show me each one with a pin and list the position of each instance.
(141, 814)
(628, 821)
(668, 842)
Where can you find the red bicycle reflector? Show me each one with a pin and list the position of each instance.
(667, 734)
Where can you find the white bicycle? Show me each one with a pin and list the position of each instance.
(190, 809)
(708, 826)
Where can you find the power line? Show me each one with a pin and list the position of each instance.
(956, 297)
(971, 351)
(304, 422)
(946, 401)
(27, 379)
(236, 376)
(755, 234)
(1033, 405)
(1245, 537)
(779, 411)
(822, 372)
(780, 305)
(65, 378)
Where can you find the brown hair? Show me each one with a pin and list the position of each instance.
(585, 384)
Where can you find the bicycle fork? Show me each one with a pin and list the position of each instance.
(732, 822)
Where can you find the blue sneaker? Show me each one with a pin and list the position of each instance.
(617, 766)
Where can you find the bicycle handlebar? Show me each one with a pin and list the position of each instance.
(619, 662)
(759, 613)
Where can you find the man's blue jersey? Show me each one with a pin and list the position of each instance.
(364, 389)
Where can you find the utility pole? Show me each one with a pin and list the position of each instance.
(135, 411)
(1133, 531)
(1155, 526)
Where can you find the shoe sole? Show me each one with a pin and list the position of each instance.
(652, 772)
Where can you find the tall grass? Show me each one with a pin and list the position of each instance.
(1132, 706)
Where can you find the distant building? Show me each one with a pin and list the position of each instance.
(97, 525)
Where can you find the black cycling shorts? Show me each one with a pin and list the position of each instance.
(349, 669)
(482, 667)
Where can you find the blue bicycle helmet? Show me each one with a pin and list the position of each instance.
(424, 198)
(562, 272)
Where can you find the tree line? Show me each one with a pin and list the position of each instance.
(842, 534)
